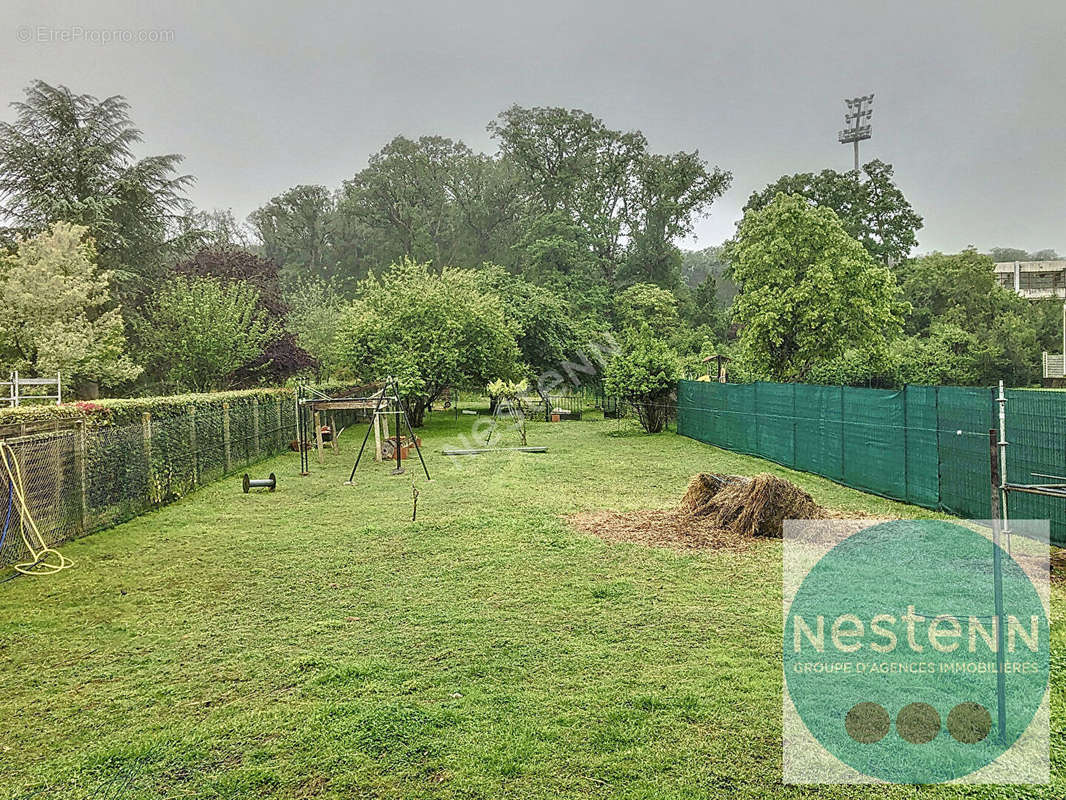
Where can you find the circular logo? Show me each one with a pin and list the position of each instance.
(890, 651)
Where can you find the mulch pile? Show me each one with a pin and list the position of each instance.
(717, 511)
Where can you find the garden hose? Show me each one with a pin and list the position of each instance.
(46, 560)
(7, 516)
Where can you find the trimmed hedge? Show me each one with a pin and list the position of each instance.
(100, 413)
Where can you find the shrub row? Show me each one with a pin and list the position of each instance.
(100, 413)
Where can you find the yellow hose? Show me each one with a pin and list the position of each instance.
(46, 560)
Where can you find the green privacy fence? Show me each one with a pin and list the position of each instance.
(926, 445)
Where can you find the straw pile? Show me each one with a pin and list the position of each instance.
(755, 506)
(718, 511)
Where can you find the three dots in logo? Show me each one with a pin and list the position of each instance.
(918, 723)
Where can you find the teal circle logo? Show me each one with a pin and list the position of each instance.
(891, 647)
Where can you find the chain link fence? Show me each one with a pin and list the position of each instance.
(78, 478)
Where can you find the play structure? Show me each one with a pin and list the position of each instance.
(388, 403)
(512, 410)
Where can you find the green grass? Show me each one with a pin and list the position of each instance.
(315, 642)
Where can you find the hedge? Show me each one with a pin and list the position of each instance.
(129, 411)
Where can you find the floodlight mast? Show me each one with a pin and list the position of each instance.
(857, 123)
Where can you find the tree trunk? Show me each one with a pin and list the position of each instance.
(416, 411)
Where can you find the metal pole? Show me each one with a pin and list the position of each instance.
(997, 588)
(399, 463)
(301, 431)
(373, 422)
(1064, 341)
(1002, 401)
(410, 431)
(856, 155)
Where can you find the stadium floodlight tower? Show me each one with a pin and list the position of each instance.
(857, 123)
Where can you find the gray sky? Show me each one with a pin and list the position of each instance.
(970, 95)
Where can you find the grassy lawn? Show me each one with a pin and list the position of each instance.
(317, 643)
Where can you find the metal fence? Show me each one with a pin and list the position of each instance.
(926, 445)
(78, 479)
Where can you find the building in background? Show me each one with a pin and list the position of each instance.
(1033, 279)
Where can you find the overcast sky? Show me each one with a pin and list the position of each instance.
(970, 95)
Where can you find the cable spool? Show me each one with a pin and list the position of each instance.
(270, 483)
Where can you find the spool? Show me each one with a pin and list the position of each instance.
(270, 483)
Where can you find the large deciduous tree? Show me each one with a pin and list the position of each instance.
(671, 192)
(434, 199)
(281, 357)
(197, 332)
(58, 315)
(431, 330)
(295, 228)
(870, 206)
(552, 344)
(629, 203)
(69, 157)
(808, 290)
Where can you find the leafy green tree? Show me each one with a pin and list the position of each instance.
(808, 290)
(1000, 254)
(554, 252)
(295, 230)
(282, 357)
(546, 333)
(671, 192)
(58, 315)
(316, 313)
(645, 374)
(69, 157)
(646, 304)
(629, 203)
(959, 288)
(197, 332)
(870, 206)
(434, 199)
(430, 330)
(573, 163)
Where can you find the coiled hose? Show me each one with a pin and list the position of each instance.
(46, 560)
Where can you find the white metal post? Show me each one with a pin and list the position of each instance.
(59, 389)
(1002, 400)
(15, 389)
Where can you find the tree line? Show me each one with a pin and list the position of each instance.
(448, 267)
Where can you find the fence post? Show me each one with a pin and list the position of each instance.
(81, 457)
(755, 413)
(226, 436)
(193, 446)
(255, 424)
(843, 433)
(318, 433)
(146, 437)
(281, 434)
(906, 470)
(795, 452)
